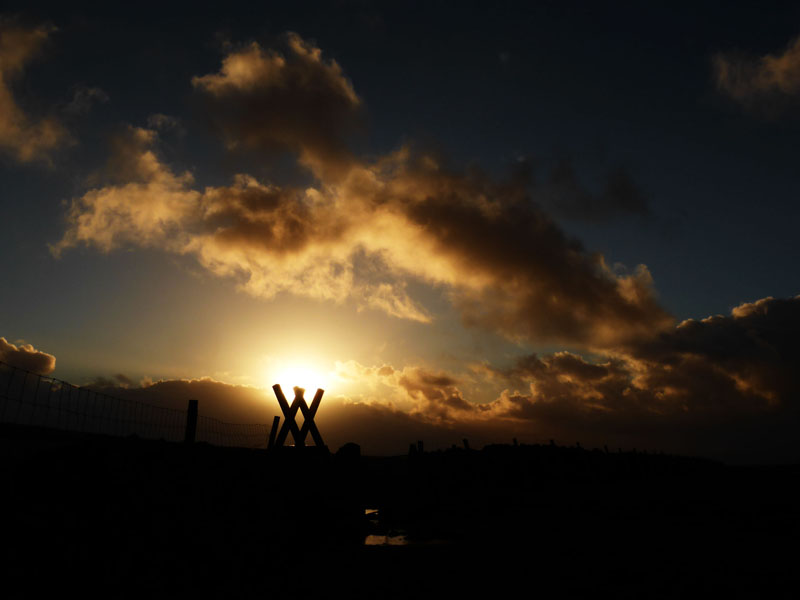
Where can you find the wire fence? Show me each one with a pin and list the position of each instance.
(30, 399)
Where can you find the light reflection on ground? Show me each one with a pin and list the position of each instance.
(385, 540)
(398, 539)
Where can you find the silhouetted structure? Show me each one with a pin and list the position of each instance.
(290, 413)
(273, 432)
(191, 422)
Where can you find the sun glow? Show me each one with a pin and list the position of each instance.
(298, 374)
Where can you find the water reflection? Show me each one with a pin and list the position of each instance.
(386, 540)
(392, 538)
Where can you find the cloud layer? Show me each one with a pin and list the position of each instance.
(724, 386)
(364, 229)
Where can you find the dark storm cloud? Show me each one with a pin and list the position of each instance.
(708, 384)
(756, 346)
(23, 136)
(26, 357)
(293, 100)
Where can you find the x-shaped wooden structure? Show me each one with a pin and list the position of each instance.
(290, 412)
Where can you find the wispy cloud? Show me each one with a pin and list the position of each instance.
(765, 82)
(23, 137)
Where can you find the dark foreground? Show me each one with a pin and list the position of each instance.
(128, 518)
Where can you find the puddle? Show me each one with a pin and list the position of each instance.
(392, 538)
(386, 540)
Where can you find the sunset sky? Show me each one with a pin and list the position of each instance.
(543, 220)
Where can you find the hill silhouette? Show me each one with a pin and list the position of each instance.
(126, 517)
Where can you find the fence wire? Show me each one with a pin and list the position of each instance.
(29, 399)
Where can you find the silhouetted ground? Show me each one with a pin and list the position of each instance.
(125, 518)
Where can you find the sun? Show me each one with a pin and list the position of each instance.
(298, 374)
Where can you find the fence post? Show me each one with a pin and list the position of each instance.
(191, 422)
(273, 432)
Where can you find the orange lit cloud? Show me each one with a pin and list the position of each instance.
(296, 100)
(504, 263)
(26, 357)
(24, 138)
(765, 82)
(725, 387)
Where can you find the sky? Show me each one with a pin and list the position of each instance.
(544, 220)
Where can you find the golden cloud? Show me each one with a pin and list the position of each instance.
(271, 101)
(22, 137)
(364, 229)
(25, 356)
(505, 265)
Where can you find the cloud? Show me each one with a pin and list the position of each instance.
(378, 427)
(162, 122)
(503, 262)
(146, 209)
(768, 82)
(566, 197)
(436, 395)
(276, 101)
(84, 98)
(24, 138)
(26, 357)
(725, 386)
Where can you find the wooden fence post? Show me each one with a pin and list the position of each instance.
(273, 432)
(191, 422)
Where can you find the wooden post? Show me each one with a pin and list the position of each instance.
(191, 422)
(289, 412)
(308, 423)
(420, 447)
(466, 444)
(273, 432)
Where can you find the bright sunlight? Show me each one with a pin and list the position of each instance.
(297, 373)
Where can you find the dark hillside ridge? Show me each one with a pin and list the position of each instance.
(126, 517)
